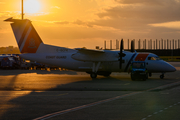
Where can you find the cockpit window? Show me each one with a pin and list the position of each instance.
(158, 58)
(151, 58)
(154, 58)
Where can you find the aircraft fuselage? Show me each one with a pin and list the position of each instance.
(65, 60)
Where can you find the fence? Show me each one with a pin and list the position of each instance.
(145, 44)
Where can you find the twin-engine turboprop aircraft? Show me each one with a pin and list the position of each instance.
(94, 62)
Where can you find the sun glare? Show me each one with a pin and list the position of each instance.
(32, 6)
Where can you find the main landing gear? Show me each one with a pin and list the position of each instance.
(93, 75)
(103, 73)
(95, 69)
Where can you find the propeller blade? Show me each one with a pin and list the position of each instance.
(132, 46)
(122, 46)
(121, 54)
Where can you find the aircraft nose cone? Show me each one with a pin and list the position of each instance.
(170, 68)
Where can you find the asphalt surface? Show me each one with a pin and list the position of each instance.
(69, 95)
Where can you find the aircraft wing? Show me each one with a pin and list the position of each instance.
(82, 50)
(88, 55)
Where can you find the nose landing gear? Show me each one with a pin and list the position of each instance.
(162, 76)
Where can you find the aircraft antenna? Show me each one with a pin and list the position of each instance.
(22, 9)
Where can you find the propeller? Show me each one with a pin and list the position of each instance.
(132, 46)
(121, 54)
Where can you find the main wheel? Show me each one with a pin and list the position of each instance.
(93, 75)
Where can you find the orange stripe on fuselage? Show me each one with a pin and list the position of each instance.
(141, 56)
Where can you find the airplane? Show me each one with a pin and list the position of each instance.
(93, 62)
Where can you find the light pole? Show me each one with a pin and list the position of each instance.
(22, 9)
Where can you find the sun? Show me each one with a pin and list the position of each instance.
(31, 6)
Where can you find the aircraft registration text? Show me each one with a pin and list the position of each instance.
(56, 57)
(62, 50)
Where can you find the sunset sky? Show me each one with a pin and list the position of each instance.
(87, 23)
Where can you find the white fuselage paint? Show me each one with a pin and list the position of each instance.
(63, 59)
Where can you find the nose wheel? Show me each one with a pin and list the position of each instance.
(150, 74)
(162, 76)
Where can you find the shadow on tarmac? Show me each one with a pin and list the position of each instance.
(37, 103)
(17, 72)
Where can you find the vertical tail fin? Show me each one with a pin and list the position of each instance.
(26, 36)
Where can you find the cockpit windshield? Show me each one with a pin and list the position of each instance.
(154, 58)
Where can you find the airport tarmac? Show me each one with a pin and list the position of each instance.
(69, 95)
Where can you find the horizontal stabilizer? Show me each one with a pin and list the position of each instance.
(14, 20)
